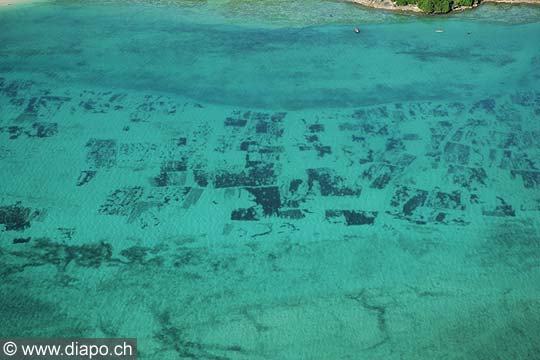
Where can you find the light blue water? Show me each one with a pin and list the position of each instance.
(245, 180)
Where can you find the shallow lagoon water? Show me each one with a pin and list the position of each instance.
(233, 180)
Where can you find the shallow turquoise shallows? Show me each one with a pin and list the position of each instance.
(254, 180)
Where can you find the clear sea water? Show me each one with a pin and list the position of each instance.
(253, 180)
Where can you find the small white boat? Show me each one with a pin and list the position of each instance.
(439, 31)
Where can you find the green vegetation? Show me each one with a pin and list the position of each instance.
(436, 6)
(464, 2)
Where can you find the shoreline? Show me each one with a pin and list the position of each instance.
(386, 5)
(392, 6)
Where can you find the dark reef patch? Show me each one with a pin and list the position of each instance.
(258, 175)
(122, 201)
(292, 214)
(101, 153)
(316, 128)
(407, 201)
(380, 174)
(268, 198)
(173, 173)
(22, 240)
(14, 132)
(142, 256)
(201, 177)
(45, 129)
(469, 178)
(85, 176)
(457, 153)
(502, 209)
(37, 130)
(294, 185)
(16, 217)
(87, 255)
(330, 184)
(11, 89)
(486, 105)
(443, 200)
(531, 179)
(249, 214)
(352, 217)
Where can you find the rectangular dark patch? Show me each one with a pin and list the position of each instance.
(161, 180)
(249, 214)
(315, 128)
(411, 137)
(244, 146)
(122, 201)
(169, 178)
(268, 198)
(262, 127)
(45, 129)
(393, 144)
(257, 175)
(467, 177)
(174, 165)
(351, 217)
(408, 200)
(21, 240)
(201, 178)
(380, 175)
(414, 202)
(101, 153)
(235, 122)
(262, 175)
(277, 117)
(330, 184)
(294, 185)
(359, 217)
(457, 153)
(226, 179)
(312, 138)
(442, 200)
(293, 214)
(181, 141)
(323, 150)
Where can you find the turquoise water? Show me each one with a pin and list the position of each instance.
(249, 180)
